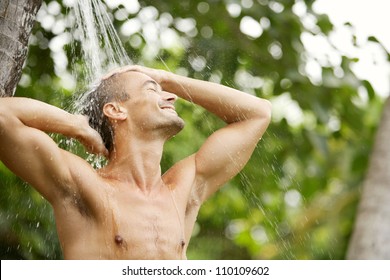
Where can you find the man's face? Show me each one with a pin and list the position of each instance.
(149, 107)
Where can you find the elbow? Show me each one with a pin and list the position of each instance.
(268, 109)
(4, 105)
(264, 111)
(261, 117)
(2, 119)
(4, 114)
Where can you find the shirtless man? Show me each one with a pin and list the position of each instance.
(128, 209)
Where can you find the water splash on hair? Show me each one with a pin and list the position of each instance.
(96, 49)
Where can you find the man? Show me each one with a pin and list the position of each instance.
(128, 209)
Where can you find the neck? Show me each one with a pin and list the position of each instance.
(136, 162)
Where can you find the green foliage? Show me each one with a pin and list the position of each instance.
(297, 196)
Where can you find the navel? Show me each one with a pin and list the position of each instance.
(182, 243)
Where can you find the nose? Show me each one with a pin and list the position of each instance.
(170, 97)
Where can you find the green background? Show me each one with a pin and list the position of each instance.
(297, 197)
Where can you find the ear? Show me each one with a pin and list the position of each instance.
(115, 111)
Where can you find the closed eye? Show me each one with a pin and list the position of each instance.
(151, 85)
(154, 90)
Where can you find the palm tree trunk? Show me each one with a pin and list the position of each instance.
(17, 18)
(371, 236)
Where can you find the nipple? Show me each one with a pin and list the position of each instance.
(118, 239)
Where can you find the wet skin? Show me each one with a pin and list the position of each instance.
(128, 209)
(121, 222)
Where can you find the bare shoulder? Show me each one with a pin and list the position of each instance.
(182, 178)
(82, 183)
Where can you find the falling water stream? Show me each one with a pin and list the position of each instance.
(101, 48)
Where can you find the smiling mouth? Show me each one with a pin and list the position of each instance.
(169, 109)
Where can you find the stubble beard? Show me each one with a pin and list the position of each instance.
(173, 127)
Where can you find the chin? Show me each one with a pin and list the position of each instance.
(174, 127)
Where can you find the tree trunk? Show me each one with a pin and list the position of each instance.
(17, 18)
(371, 236)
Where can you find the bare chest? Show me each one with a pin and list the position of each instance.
(139, 227)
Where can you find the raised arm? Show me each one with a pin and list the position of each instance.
(228, 149)
(30, 153)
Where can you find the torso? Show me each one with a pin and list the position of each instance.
(110, 220)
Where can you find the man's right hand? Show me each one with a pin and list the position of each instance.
(90, 138)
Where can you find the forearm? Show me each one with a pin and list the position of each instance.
(227, 103)
(42, 116)
(48, 118)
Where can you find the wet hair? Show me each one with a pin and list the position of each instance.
(92, 103)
